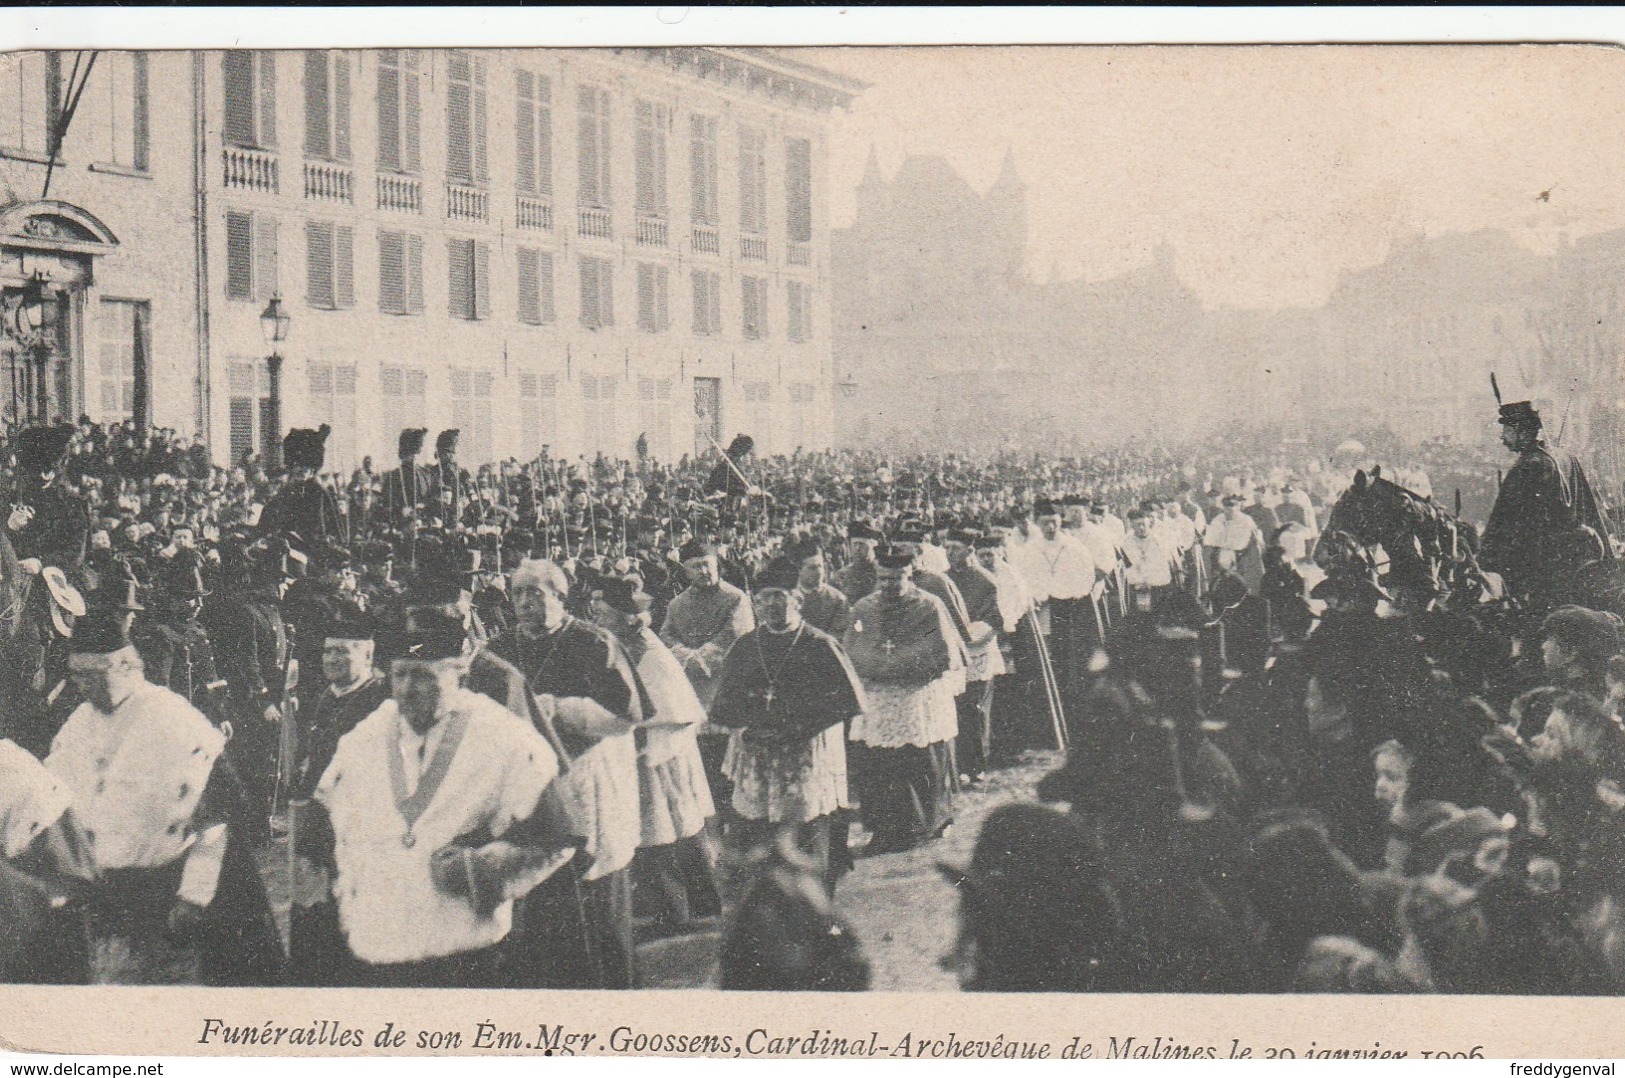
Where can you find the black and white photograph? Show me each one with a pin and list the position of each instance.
(1021, 519)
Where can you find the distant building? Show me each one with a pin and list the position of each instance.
(563, 248)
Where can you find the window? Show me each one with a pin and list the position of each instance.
(538, 412)
(752, 181)
(798, 298)
(250, 98)
(471, 410)
(251, 256)
(535, 135)
(535, 287)
(653, 122)
(332, 401)
(798, 189)
(593, 147)
(329, 265)
(465, 118)
(405, 392)
(400, 108)
(597, 293)
(654, 415)
(327, 105)
(702, 156)
(599, 422)
(802, 426)
(469, 287)
(31, 89)
(707, 303)
(121, 351)
(249, 407)
(654, 286)
(754, 307)
(128, 110)
(400, 272)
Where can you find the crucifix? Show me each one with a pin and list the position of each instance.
(767, 697)
(888, 647)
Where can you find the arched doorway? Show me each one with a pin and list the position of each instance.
(48, 251)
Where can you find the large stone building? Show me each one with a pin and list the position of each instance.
(569, 248)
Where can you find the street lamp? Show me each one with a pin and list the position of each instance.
(35, 320)
(274, 327)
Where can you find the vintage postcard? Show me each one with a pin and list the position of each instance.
(728, 550)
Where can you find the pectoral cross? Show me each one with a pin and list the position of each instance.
(888, 647)
(767, 697)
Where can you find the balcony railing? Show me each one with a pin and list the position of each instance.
(401, 193)
(594, 224)
(328, 182)
(651, 232)
(467, 203)
(753, 248)
(707, 240)
(535, 214)
(800, 254)
(250, 170)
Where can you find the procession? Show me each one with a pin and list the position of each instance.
(1235, 608)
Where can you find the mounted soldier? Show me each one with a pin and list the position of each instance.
(1547, 524)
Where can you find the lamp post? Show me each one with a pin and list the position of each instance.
(35, 321)
(274, 326)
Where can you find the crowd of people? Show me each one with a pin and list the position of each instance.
(491, 727)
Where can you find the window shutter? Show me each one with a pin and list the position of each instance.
(341, 106)
(696, 280)
(589, 294)
(713, 294)
(529, 291)
(792, 303)
(391, 272)
(544, 136)
(239, 256)
(267, 281)
(798, 189)
(459, 117)
(414, 274)
(482, 280)
(587, 149)
(319, 264)
(460, 272)
(267, 103)
(643, 154)
(412, 112)
(544, 284)
(525, 131)
(344, 267)
(646, 297)
(662, 298)
(606, 293)
(389, 111)
(318, 138)
(480, 174)
(605, 146)
(139, 119)
(239, 93)
(662, 120)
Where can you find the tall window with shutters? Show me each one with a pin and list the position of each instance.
(802, 426)
(798, 303)
(702, 159)
(249, 403)
(30, 101)
(654, 291)
(250, 98)
(469, 279)
(404, 393)
(400, 111)
(400, 272)
(329, 265)
(597, 293)
(128, 110)
(753, 306)
(538, 412)
(600, 425)
(327, 105)
(533, 174)
(654, 415)
(471, 410)
(798, 189)
(332, 401)
(707, 303)
(653, 123)
(593, 148)
(465, 118)
(122, 340)
(535, 280)
(752, 180)
(251, 256)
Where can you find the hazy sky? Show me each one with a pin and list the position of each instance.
(1268, 169)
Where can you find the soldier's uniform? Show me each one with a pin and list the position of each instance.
(253, 645)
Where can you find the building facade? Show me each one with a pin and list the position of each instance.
(584, 250)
